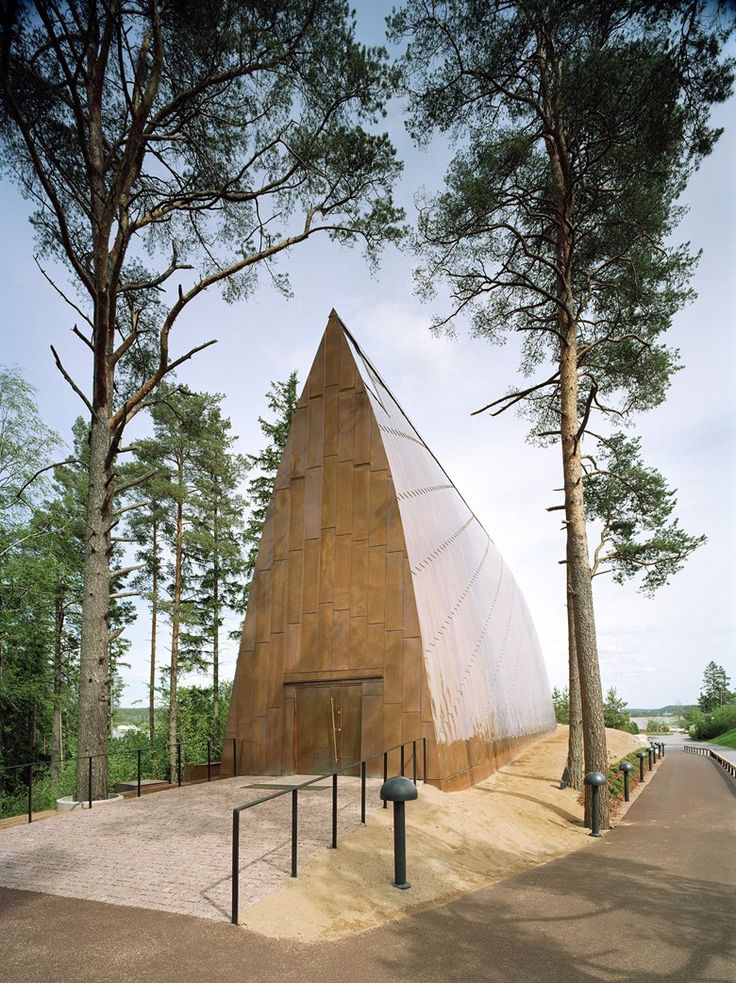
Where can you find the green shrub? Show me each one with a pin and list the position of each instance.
(615, 778)
(704, 726)
(561, 703)
(45, 791)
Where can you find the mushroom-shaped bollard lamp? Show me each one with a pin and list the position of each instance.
(641, 755)
(626, 767)
(595, 779)
(399, 790)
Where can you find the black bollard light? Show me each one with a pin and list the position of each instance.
(661, 749)
(648, 751)
(595, 779)
(655, 751)
(626, 767)
(641, 755)
(399, 790)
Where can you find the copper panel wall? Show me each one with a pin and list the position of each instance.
(373, 569)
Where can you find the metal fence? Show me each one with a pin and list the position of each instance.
(31, 767)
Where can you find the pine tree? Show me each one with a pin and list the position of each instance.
(177, 416)
(638, 538)
(34, 565)
(188, 528)
(145, 528)
(215, 541)
(577, 127)
(168, 148)
(282, 399)
(715, 690)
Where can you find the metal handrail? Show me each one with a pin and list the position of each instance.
(294, 791)
(30, 765)
(710, 752)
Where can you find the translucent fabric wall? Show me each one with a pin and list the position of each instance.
(485, 671)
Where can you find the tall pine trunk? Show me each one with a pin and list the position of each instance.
(57, 738)
(154, 630)
(176, 621)
(94, 676)
(94, 670)
(216, 634)
(580, 586)
(575, 716)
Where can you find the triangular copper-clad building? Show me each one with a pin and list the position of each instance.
(381, 610)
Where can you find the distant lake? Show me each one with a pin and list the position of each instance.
(667, 717)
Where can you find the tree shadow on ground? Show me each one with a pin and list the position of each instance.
(593, 919)
(558, 810)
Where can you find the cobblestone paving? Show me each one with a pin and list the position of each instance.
(171, 850)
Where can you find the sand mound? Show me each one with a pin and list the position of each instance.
(456, 842)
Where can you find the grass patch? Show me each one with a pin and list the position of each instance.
(725, 740)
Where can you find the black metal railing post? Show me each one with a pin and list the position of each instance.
(30, 792)
(89, 781)
(424, 760)
(362, 791)
(334, 811)
(235, 756)
(209, 762)
(402, 760)
(294, 808)
(178, 764)
(139, 773)
(235, 872)
(414, 761)
(236, 865)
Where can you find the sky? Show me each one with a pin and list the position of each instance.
(653, 651)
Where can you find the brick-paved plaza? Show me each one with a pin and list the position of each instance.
(171, 850)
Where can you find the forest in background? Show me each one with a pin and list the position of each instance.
(184, 551)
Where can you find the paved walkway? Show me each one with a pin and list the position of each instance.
(171, 850)
(652, 902)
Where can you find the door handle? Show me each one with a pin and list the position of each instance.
(334, 729)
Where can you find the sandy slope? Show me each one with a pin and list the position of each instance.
(456, 842)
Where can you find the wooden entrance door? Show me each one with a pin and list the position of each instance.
(328, 722)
